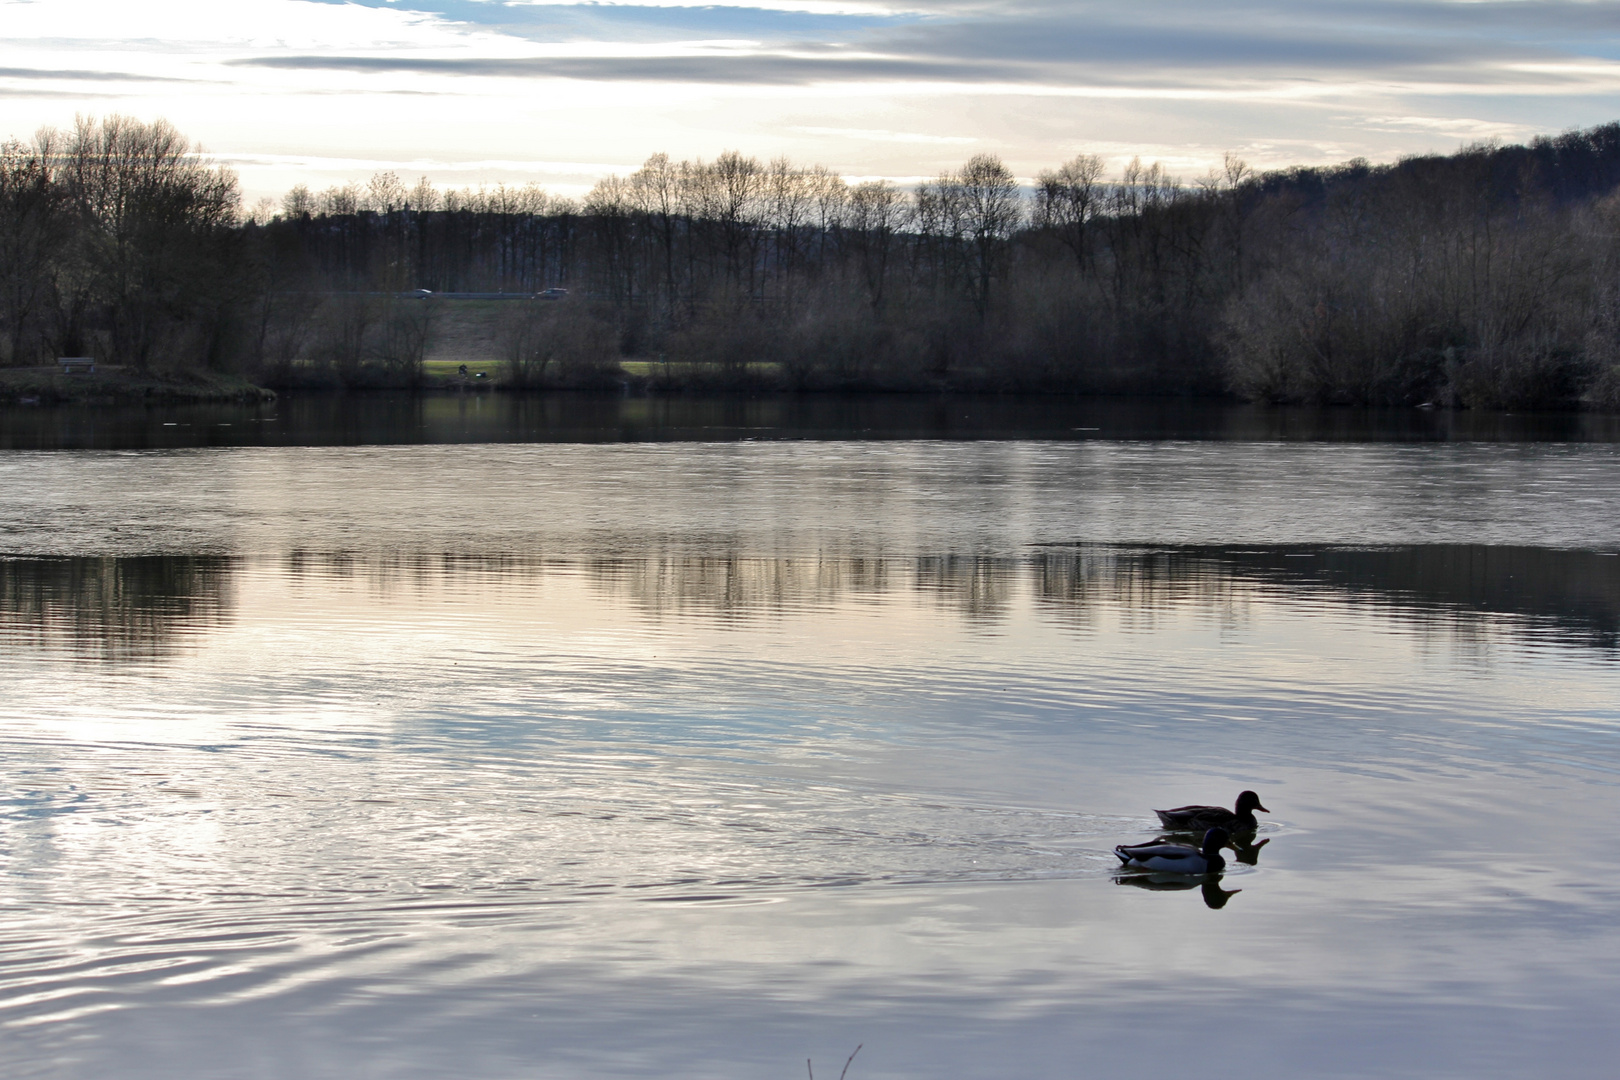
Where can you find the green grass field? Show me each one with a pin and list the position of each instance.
(494, 369)
(446, 369)
(650, 367)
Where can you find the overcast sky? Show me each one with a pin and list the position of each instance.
(469, 91)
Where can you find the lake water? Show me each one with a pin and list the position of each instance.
(672, 758)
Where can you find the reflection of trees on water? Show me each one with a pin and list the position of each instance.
(387, 574)
(144, 606)
(139, 608)
(978, 587)
(738, 585)
(1573, 596)
(1455, 590)
(1074, 583)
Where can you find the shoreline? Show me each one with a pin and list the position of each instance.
(622, 415)
(46, 386)
(110, 385)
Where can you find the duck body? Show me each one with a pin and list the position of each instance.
(1167, 858)
(1195, 819)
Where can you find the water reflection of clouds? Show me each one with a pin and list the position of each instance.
(826, 768)
(489, 780)
(803, 499)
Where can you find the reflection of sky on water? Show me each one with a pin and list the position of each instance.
(904, 499)
(661, 812)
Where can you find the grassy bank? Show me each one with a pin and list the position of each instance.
(634, 374)
(111, 385)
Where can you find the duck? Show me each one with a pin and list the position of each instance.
(1178, 858)
(1197, 818)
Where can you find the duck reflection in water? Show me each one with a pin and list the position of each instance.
(1210, 885)
(1246, 853)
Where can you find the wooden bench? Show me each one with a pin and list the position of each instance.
(71, 364)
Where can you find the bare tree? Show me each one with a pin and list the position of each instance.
(655, 189)
(789, 199)
(610, 205)
(547, 341)
(263, 212)
(342, 199)
(524, 342)
(385, 193)
(878, 211)
(299, 202)
(424, 197)
(149, 206)
(32, 227)
(737, 188)
(1067, 199)
(346, 325)
(832, 201)
(407, 326)
(990, 210)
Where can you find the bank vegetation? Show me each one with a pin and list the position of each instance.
(1485, 278)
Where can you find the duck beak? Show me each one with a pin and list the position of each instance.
(1262, 809)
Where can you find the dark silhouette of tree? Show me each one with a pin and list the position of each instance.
(1486, 277)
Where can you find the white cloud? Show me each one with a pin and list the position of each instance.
(880, 135)
(809, 7)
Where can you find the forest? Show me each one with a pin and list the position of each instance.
(1487, 278)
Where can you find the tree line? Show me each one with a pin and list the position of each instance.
(1482, 278)
(116, 238)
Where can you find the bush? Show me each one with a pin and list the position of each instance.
(550, 343)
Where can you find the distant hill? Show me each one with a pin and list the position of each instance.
(1570, 168)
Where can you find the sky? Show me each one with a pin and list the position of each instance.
(561, 94)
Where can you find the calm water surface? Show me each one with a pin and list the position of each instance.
(701, 759)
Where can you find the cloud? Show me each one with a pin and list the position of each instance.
(968, 41)
(1172, 41)
(1461, 127)
(1049, 52)
(84, 76)
(643, 22)
(1058, 43)
(722, 68)
(878, 135)
(840, 81)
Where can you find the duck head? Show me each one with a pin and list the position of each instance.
(1214, 840)
(1248, 802)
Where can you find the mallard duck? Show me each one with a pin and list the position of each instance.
(1178, 858)
(1198, 818)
